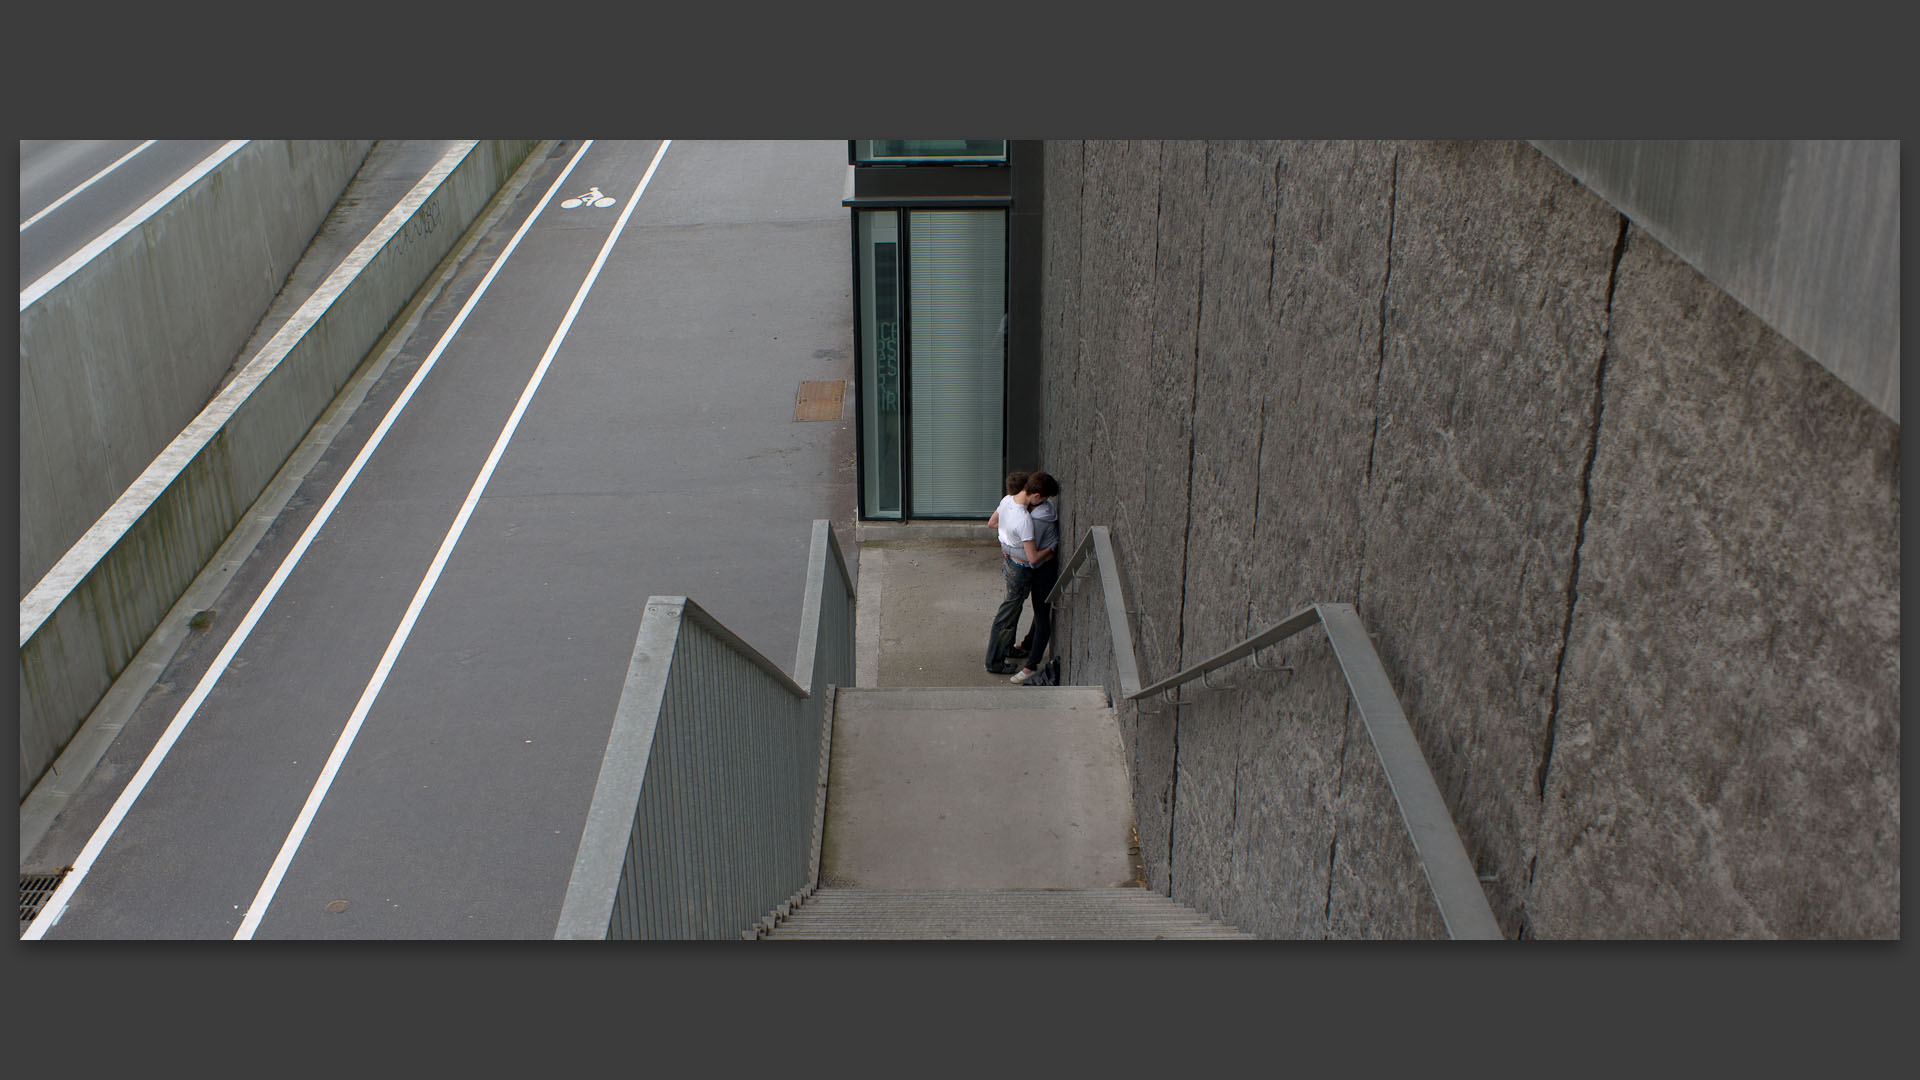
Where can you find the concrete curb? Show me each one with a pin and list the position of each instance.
(83, 623)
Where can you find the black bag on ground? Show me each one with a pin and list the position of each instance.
(1047, 674)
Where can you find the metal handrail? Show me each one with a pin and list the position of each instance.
(1099, 542)
(706, 813)
(1272, 635)
(1443, 858)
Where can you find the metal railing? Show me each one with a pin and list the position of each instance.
(1443, 858)
(705, 813)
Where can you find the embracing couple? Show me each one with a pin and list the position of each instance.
(1028, 522)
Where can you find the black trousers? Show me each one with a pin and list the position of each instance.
(1044, 577)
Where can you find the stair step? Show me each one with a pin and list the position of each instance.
(895, 698)
(998, 914)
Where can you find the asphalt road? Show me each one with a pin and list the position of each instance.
(659, 455)
(51, 170)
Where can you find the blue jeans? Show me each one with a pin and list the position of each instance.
(1006, 621)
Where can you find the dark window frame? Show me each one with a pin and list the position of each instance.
(901, 209)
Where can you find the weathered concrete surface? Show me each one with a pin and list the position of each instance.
(1232, 340)
(926, 606)
(1377, 372)
(1726, 761)
(1335, 213)
(1496, 315)
(118, 357)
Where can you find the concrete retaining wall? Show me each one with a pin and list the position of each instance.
(1630, 557)
(90, 614)
(118, 357)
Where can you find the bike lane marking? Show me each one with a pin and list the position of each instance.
(56, 905)
(257, 910)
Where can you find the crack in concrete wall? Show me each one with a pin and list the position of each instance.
(1186, 543)
(1386, 282)
(1586, 511)
(1349, 718)
(1259, 458)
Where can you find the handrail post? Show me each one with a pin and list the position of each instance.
(813, 597)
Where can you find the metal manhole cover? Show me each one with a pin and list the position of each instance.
(35, 891)
(820, 400)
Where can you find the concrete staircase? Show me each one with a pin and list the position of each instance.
(984, 813)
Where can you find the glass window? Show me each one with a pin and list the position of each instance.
(880, 362)
(933, 339)
(956, 380)
(923, 151)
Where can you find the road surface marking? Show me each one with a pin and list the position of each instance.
(258, 908)
(593, 197)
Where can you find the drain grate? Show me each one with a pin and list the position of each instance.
(35, 891)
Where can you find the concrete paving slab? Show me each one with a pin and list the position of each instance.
(928, 593)
(989, 793)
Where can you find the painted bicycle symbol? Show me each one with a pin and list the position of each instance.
(593, 197)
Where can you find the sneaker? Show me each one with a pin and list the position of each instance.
(1003, 669)
(1023, 675)
(1018, 652)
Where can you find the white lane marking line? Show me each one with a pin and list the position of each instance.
(57, 903)
(258, 908)
(84, 185)
(127, 224)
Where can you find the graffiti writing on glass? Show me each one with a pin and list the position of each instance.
(887, 363)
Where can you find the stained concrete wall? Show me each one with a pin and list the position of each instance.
(118, 357)
(1629, 556)
(88, 617)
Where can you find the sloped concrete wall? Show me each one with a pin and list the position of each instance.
(1558, 473)
(88, 617)
(117, 358)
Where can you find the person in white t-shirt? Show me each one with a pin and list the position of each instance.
(1016, 482)
(1018, 558)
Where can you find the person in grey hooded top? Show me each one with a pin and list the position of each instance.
(1038, 494)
